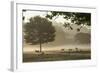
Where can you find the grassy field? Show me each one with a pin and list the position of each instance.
(56, 56)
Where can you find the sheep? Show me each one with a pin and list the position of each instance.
(37, 51)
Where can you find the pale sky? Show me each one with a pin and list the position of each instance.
(29, 14)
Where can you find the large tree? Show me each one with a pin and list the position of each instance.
(75, 17)
(38, 31)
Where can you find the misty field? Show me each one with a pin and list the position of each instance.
(56, 56)
(56, 36)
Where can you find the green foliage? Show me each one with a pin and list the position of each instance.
(39, 30)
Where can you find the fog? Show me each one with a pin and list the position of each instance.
(64, 39)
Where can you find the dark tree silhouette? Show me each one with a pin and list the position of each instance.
(75, 17)
(38, 31)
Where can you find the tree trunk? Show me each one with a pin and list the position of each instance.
(40, 46)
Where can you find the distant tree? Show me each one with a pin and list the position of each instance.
(38, 31)
(75, 17)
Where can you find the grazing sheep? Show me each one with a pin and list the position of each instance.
(70, 50)
(76, 49)
(37, 51)
(62, 49)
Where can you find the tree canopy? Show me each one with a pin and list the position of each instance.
(38, 31)
(75, 17)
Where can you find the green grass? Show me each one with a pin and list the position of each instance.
(60, 56)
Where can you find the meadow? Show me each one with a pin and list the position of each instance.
(60, 55)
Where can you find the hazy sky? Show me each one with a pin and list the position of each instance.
(29, 14)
